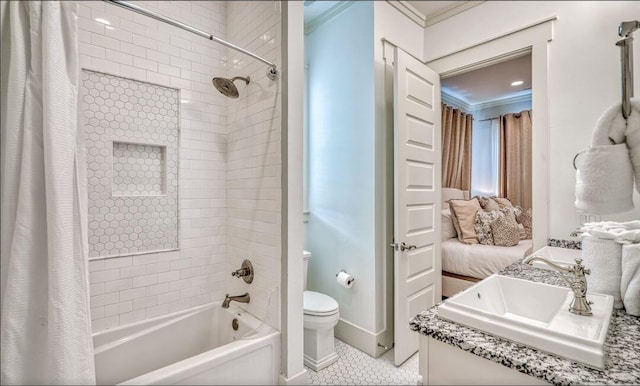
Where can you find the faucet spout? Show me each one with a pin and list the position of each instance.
(578, 283)
(240, 299)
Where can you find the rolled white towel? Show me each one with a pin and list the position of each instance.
(630, 279)
(623, 232)
(633, 143)
(604, 180)
(612, 125)
(604, 259)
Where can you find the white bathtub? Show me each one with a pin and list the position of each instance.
(195, 346)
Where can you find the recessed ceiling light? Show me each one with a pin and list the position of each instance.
(517, 83)
(103, 21)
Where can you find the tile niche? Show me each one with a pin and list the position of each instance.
(132, 136)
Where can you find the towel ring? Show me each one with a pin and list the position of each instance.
(574, 160)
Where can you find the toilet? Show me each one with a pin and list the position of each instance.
(321, 314)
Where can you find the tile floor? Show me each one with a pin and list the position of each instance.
(357, 368)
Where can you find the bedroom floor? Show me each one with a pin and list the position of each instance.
(354, 367)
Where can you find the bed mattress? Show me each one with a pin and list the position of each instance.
(480, 261)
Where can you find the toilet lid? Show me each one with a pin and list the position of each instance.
(316, 303)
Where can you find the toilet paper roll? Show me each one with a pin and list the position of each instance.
(345, 280)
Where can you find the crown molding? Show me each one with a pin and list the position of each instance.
(450, 12)
(470, 107)
(524, 96)
(326, 16)
(423, 21)
(450, 100)
(409, 11)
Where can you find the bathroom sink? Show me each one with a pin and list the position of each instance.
(562, 256)
(535, 315)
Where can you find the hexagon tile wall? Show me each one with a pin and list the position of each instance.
(132, 157)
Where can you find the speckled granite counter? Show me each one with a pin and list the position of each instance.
(622, 344)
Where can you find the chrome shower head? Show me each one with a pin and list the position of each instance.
(226, 86)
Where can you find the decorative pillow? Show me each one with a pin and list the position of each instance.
(448, 229)
(513, 212)
(522, 232)
(483, 225)
(465, 213)
(488, 203)
(526, 220)
(505, 232)
(503, 202)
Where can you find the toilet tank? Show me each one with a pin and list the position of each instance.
(306, 255)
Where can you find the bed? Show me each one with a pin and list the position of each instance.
(464, 264)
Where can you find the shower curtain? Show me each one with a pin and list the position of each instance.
(45, 320)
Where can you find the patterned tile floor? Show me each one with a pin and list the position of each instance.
(357, 368)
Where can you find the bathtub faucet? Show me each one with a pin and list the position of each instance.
(240, 299)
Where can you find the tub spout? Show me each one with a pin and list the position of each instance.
(240, 298)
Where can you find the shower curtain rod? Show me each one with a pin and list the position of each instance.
(272, 72)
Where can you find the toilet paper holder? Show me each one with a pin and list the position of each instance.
(349, 282)
(342, 270)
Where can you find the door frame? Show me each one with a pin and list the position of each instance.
(532, 39)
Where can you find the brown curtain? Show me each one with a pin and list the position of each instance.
(456, 148)
(515, 158)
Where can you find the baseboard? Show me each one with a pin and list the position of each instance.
(298, 379)
(357, 337)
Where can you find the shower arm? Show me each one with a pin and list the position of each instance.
(625, 31)
(272, 71)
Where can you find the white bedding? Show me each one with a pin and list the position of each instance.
(479, 260)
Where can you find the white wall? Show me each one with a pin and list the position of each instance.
(584, 77)
(132, 288)
(340, 231)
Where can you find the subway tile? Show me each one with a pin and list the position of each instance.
(133, 72)
(106, 42)
(119, 57)
(145, 64)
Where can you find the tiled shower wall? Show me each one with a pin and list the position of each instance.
(253, 157)
(131, 288)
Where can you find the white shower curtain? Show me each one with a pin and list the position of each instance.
(45, 320)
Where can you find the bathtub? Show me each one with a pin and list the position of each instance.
(195, 346)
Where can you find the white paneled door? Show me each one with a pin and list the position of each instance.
(417, 177)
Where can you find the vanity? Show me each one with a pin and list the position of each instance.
(451, 353)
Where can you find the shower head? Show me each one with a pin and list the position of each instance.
(226, 86)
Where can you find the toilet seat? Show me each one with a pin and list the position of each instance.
(318, 304)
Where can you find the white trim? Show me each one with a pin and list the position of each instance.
(409, 11)
(523, 97)
(358, 337)
(534, 37)
(422, 20)
(468, 107)
(515, 31)
(327, 15)
(450, 100)
(450, 11)
(298, 379)
(291, 237)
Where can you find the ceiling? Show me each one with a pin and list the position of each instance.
(491, 83)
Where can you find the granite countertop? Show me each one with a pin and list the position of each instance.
(622, 344)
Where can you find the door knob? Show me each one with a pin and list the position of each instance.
(405, 247)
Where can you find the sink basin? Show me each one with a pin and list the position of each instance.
(534, 314)
(562, 256)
